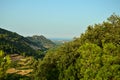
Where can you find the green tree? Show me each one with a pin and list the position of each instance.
(5, 62)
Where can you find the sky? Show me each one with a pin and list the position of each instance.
(54, 18)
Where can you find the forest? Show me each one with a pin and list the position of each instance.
(95, 55)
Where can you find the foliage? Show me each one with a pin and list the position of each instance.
(17, 77)
(41, 41)
(5, 62)
(11, 43)
(93, 56)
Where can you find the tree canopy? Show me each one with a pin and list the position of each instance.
(95, 55)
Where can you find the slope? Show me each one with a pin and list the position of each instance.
(41, 41)
(11, 42)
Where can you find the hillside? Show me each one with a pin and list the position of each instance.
(41, 41)
(23, 65)
(11, 42)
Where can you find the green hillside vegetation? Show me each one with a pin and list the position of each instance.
(5, 62)
(13, 43)
(41, 41)
(95, 55)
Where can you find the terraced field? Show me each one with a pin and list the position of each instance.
(22, 65)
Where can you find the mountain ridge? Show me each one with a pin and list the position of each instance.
(41, 40)
(12, 42)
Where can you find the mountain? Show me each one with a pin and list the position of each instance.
(41, 41)
(11, 42)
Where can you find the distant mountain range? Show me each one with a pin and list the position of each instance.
(11, 42)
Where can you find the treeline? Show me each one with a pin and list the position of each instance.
(95, 55)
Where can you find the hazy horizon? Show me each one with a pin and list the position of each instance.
(54, 18)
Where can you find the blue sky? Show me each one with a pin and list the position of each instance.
(54, 18)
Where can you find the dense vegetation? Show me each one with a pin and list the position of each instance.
(5, 62)
(11, 43)
(93, 56)
(41, 41)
